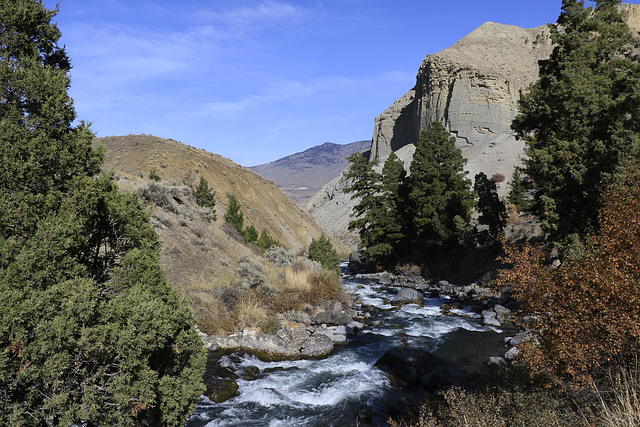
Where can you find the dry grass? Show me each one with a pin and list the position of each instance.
(620, 406)
(250, 312)
(297, 280)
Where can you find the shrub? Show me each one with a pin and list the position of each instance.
(498, 177)
(322, 250)
(252, 274)
(279, 256)
(496, 408)
(587, 312)
(153, 175)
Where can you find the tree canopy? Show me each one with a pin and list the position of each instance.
(90, 330)
(580, 119)
(439, 195)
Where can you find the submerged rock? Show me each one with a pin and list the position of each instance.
(220, 389)
(408, 366)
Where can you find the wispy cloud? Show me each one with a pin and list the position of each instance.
(120, 53)
(267, 13)
(296, 91)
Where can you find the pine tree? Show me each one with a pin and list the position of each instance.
(322, 250)
(90, 330)
(205, 196)
(579, 120)
(364, 184)
(439, 199)
(492, 211)
(234, 215)
(250, 234)
(388, 221)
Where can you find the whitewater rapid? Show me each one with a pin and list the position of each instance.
(330, 392)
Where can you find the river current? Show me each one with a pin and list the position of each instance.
(330, 392)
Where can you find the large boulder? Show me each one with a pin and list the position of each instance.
(317, 346)
(292, 341)
(408, 296)
(331, 313)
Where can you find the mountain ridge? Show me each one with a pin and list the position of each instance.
(303, 174)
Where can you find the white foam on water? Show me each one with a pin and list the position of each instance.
(314, 392)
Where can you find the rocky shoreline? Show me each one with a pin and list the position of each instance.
(314, 332)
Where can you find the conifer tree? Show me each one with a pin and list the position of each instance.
(322, 250)
(364, 184)
(205, 196)
(492, 211)
(388, 220)
(234, 215)
(439, 198)
(579, 120)
(90, 330)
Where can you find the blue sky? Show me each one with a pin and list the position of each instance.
(256, 80)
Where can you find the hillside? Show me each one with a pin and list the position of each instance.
(200, 255)
(303, 174)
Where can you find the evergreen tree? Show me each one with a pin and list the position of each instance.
(265, 241)
(205, 196)
(439, 199)
(492, 211)
(364, 184)
(579, 120)
(388, 227)
(90, 330)
(234, 215)
(518, 191)
(250, 234)
(322, 250)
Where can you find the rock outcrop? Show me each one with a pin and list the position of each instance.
(472, 88)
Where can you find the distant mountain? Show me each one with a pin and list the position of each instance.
(303, 174)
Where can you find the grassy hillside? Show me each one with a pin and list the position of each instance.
(204, 259)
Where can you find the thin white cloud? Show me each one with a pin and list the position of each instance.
(292, 91)
(264, 14)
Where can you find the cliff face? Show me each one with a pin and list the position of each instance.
(472, 88)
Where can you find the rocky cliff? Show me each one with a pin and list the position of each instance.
(472, 88)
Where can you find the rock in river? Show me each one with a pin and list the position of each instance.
(408, 296)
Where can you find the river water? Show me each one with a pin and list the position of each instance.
(330, 392)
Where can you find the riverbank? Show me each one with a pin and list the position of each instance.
(442, 325)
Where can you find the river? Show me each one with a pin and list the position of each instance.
(330, 392)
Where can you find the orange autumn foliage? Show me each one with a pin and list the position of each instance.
(585, 315)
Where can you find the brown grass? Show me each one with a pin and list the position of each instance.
(250, 312)
(297, 280)
(620, 405)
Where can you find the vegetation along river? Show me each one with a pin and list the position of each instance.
(332, 391)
